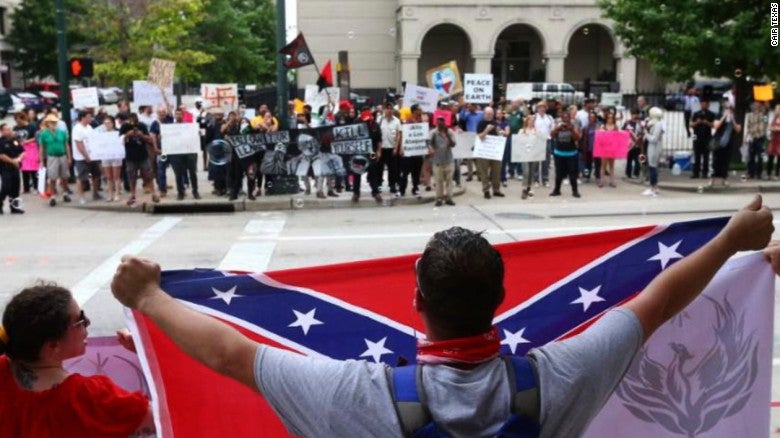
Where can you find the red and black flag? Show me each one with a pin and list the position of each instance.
(299, 53)
(326, 77)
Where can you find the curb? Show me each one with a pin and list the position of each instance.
(738, 187)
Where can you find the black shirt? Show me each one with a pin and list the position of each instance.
(703, 131)
(483, 124)
(11, 148)
(135, 147)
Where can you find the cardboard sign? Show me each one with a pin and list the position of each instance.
(106, 146)
(478, 88)
(161, 72)
(85, 97)
(31, 159)
(246, 145)
(223, 96)
(351, 140)
(415, 139)
(427, 98)
(612, 99)
(317, 99)
(180, 138)
(490, 148)
(443, 113)
(611, 144)
(528, 148)
(464, 145)
(517, 90)
(445, 79)
(145, 93)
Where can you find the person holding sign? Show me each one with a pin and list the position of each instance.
(54, 151)
(608, 164)
(184, 165)
(411, 165)
(112, 169)
(565, 137)
(137, 162)
(489, 171)
(441, 143)
(86, 168)
(528, 176)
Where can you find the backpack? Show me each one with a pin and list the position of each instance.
(415, 418)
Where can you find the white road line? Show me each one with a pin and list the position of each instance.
(254, 256)
(100, 276)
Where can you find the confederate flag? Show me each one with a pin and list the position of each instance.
(299, 53)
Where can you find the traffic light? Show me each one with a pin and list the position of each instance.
(81, 68)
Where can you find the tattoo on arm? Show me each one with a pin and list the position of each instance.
(24, 375)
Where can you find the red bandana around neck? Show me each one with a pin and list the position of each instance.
(472, 350)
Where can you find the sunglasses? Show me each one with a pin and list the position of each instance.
(82, 320)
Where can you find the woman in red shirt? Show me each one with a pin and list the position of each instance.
(42, 327)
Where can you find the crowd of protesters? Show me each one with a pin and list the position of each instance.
(570, 132)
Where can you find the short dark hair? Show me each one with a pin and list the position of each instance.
(461, 282)
(34, 316)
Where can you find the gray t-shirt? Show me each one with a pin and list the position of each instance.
(330, 398)
(442, 152)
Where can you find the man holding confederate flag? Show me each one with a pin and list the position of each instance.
(464, 388)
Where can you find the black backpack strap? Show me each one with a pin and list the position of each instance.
(409, 398)
(523, 387)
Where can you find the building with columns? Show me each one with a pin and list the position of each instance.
(395, 41)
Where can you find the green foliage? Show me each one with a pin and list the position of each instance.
(34, 35)
(682, 37)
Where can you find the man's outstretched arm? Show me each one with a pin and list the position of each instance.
(673, 289)
(216, 345)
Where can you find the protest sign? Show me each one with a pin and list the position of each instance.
(246, 145)
(478, 88)
(317, 99)
(31, 159)
(519, 90)
(464, 145)
(180, 138)
(415, 139)
(351, 140)
(490, 148)
(145, 93)
(612, 99)
(161, 72)
(106, 146)
(427, 98)
(445, 79)
(223, 96)
(611, 144)
(85, 97)
(443, 113)
(528, 148)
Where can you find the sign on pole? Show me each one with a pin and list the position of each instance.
(478, 88)
(85, 98)
(528, 148)
(106, 146)
(161, 72)
(464, 144)
(415, 139)
(317, 99)
(427, 98)
(445, 79)
(223, 96)
(519, 90)
(612, 99)
(145, 93)
(180, 138)
(490, 148)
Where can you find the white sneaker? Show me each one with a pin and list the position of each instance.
(82, 201)
(648, 192)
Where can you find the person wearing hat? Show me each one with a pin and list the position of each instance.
(56, 155)
(441, 142)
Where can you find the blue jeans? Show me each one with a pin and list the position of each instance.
(755, 163)
(653, 171)
(162, 181)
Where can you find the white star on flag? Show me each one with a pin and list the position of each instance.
(514, 339)
(376, 349)
(305, 320)
(588, 297)
(666, 253)
(226, 296)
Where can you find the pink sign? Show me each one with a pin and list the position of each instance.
(107, 357)
(611, 144)
(31, 160)
(443, 113)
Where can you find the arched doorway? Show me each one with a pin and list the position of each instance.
(518, 56)
(591, 55)
(444, 43)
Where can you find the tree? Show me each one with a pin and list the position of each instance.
(240, 34)
(128, 33)
(34, 35)
(682, 37)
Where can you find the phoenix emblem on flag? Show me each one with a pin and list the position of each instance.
(689, 395)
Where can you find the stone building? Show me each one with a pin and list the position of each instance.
(392, 41)
(8, 76)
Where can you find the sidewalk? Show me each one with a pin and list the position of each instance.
(684, 183)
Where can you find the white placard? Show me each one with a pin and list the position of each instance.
(317, 99)
(145, 93)
(106, 146)
(249, 114)
(478, 88)
(223, 96)
(415, 139)
(85, 97)
(519, 90)
(180, 138)
(490, 148)
(528, 148)
(612, 99)
(464, 144)
(427, 98)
